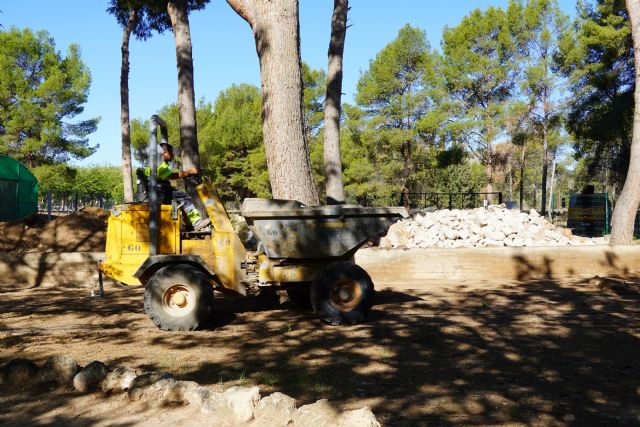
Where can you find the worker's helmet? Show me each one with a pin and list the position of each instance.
(167, 146)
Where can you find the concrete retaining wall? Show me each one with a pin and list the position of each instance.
(415, 266)
(411, 267)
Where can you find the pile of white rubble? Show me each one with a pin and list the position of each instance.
(491, 226)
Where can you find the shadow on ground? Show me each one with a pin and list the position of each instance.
(546, 352)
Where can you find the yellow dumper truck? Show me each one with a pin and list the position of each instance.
(306, 250)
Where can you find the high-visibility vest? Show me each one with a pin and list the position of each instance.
(164, 171)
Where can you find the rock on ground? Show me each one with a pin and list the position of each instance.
(242, 401)
(140, 384)
(274, 410)
(491, 226)
(318, 414)
(19, 372)
(234, 406)
(119, 379)
(90, 377)
(362, 417)
(59, 369)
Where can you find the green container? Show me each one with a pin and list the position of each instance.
(18, 190)
(589, 214)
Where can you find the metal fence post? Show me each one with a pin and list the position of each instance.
(48, 205)
(500, 198)
(450, 201)
(100, 201)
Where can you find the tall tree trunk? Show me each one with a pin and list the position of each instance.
(178, 13)
(276, 31)
(545, 169)
(407, 149)
(510, 176)
(332, 104)
(522, 177)
(545, 153)
(623, 218)
(127, 175)
(489, 170)
(553, 176)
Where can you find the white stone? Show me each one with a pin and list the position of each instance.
(242, 401)
(362, 417)
(496, 235)
(274, 410)
(119, 379)
(450, 234)
(318, 414)
(464, 234)
(495, 226)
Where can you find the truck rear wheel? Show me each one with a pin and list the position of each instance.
(178, 298)
(342, 293)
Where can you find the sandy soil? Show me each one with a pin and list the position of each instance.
(535, 353)
(81, 231)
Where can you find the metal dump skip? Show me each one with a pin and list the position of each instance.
(287, 229)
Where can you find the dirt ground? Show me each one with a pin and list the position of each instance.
(552, 353)
(81, 231)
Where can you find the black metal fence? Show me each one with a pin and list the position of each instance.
(449, 200)
(65, 203)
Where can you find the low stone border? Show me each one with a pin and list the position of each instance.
(231, 407)
(417, 267)
(411, 267)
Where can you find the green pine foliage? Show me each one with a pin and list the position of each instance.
(41, 92)
(480, 74)
(231, 144)
(597, 56)
(397, 95)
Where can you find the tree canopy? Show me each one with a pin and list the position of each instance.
(597, 57)
(480, 75)
(41, 92)
(396, 93)
(152, 14)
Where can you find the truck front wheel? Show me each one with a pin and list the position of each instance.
(178, 297)
(342, 293)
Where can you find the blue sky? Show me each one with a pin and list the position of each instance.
(223, 49)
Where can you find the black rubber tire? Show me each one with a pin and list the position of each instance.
(300, 295)
(325, 289)
(182, 278)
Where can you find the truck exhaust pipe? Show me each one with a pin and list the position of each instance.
(154, 219)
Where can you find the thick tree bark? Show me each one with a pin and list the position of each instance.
(127, 175)
(332, 104)
(623, 218)
(178, 13)
(277, 36)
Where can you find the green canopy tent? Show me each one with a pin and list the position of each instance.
(18, 190)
